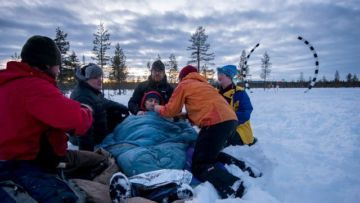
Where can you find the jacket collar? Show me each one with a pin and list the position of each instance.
(194, 76)
(17, 70)
(85, 85)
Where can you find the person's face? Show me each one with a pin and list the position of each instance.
(150, 104)
(223, 79)
(96, 83)
(54, 70)
(157, 75)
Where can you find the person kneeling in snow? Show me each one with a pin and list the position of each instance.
(239, 100)
(34, 119)
(208, 110)
(107, 114)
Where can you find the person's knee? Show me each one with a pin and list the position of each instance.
(46, 187)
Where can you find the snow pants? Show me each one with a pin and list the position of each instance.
(41, 186)
(211, 140)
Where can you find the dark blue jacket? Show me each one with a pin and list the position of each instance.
(106, 115)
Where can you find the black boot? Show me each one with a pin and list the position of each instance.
(221, 179)
(240, 190)
(228, 159)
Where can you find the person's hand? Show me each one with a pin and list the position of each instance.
(87, 106)
(182, 116)
(140, 113)
(157, 108)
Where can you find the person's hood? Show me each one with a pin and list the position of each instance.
(17, 70)
(194, 76)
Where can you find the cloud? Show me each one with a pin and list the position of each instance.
(145, 29)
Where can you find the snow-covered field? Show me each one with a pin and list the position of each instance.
(308, 149)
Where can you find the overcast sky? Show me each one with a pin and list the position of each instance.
(146, 28)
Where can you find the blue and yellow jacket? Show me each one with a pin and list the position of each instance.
(239, 100)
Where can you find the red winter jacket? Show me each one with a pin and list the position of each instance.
(31, 105)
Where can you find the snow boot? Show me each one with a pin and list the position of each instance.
(228, 159)
(184, 191)
(120, 187)
(221, 179)
(238, 188)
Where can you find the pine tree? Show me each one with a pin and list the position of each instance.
(73, 61)
(200, 47)
(101, 45)
(324, 79)
(355, 78)
(337, 77)
(69, 72)
(265, 67)
(349, 78)
(301, 78)
(173, 68)
(204, 70)
(242, 64)
(158, 57)
(118, 65)
(64, 46)
(148, 65)
(83, 60)
(16, 57)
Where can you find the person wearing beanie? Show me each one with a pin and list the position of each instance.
(107, 114)
(207, 109)
(42, 53)
(186, 70)
(150, 99)
(228, 70)
(34, 119)
(157, 81)
(240, 102)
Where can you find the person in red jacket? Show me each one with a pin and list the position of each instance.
(34, 119)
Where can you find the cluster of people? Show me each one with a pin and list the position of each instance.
(37, 120)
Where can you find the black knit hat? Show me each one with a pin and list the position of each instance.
(158, 66)
(40, 51)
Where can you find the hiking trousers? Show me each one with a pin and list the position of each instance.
(211, 141)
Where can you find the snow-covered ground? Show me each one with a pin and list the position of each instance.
(308, 149)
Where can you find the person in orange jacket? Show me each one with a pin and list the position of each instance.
(207, 109)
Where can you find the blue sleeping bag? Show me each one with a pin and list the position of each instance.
(149, 142)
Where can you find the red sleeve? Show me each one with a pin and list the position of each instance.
(46, 103)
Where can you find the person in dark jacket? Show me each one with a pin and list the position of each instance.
(107, 114)
(34, 119)
(157, 81)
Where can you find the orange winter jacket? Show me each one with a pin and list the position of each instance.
(204, 105)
